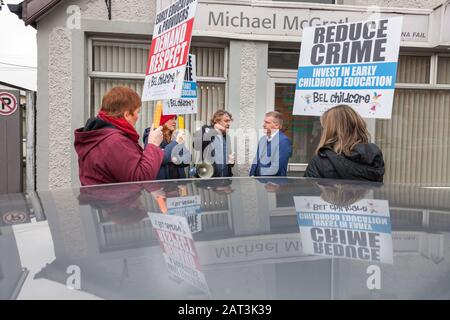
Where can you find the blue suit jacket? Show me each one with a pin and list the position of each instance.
(275, 163)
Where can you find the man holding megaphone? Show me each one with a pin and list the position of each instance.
(217, 158)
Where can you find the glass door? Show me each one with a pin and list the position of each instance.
(303, 131)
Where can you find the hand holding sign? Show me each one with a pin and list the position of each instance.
(155, 136)
(180, 137)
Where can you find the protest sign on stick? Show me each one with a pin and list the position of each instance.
(350, 63)
(169, 51)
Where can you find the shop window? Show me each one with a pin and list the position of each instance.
(416, 140)
(443, 70)
(413, 69)
(283, 59)
(210, 61)
(406, 218)
(124, 63)
(121, 57)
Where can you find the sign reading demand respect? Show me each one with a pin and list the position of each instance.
(351, 63)
(169, 51)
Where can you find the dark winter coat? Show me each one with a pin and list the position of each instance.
(365, 163)
(204, 138)
(169, 169)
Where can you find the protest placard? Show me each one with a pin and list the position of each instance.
(169, 51)
(188, 102)
(360, 231)
(178, 248)
(188, 207)
(349, 63)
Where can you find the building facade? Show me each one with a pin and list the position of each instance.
(247, 55)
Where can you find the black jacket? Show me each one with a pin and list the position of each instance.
(365, 163)
(204, 138)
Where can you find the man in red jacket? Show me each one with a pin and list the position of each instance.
(107, 146)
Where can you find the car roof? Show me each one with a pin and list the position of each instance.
(233, 238)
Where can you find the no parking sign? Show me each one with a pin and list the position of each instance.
(8, 103)
(10, 144)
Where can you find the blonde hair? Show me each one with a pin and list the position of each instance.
(343, 129)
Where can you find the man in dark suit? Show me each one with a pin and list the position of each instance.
(274, 149)
(215, 145)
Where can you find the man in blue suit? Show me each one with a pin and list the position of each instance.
(274, 149)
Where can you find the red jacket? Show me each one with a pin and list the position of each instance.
(107, 155)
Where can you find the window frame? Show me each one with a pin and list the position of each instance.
(92, 75)
(282, 76)
(406, 85)
(441, 85)
(432, 85)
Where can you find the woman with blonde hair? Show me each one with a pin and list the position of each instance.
(344, 151)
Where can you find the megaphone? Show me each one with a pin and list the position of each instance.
(202, 170)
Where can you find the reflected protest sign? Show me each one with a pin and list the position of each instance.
(179, 250)
(188, 207)
(188, 102)
(350, 63)
(360, 231)
(169, 51)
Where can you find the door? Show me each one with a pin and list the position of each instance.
(10, 142)
(303, 131)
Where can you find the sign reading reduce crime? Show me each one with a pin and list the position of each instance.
(169, 51)
(360, 231)
(350, 63)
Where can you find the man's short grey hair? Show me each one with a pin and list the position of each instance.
(277, 116)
